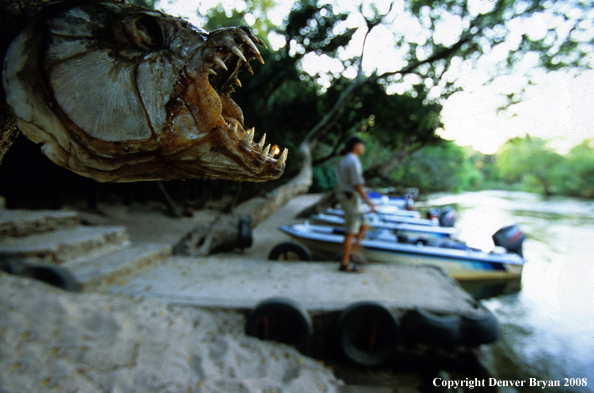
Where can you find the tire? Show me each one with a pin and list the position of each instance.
(424, 326)
(11, 266)
(479, 328)
(368, 333)
(289, 251)
(245, 238)
(54, 276)
(281, 320)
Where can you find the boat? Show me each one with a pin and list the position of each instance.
(454, 257)
(388, 218)
(383, 210)
(405, 202)
(403, 228)
(445, 217)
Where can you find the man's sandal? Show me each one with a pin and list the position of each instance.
(358, 258)
(350, 268)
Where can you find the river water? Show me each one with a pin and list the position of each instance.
(547, 325)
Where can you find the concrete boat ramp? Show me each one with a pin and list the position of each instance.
(318, 286)
(369, 316)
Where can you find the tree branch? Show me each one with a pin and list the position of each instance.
(444, 54)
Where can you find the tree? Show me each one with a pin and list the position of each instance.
(445, 167)
(577, 177)
(529, 160)
(311, 29)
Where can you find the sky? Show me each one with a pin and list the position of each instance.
(559, 107)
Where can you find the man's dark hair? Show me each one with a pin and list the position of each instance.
(350, 144)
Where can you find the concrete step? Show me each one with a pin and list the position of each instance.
(20, 223)
(64, 245)
(100, 273)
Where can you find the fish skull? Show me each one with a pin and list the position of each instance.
(119, 93)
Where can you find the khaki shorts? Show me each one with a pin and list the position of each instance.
(353, 213)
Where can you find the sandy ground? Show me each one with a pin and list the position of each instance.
(150, 223)
(53, 340)
(57, 341)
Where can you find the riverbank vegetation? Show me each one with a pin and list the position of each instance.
(522, 164)
(525, 164)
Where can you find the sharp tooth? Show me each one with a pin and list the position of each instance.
(220, 63)
(250, 137)
(265, 152)
(259, 58)
(211, 71)
(259, 41)
(254, 48)
(249, 68)
(235, 129)
(250, 43)
(261, 143)
(237, 82)
(283, 157)
(239, 54)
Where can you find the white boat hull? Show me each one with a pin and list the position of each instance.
(376, 222)
(325, 243)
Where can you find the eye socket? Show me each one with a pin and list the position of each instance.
(150, 32)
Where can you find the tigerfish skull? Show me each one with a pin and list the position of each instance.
(119, 93)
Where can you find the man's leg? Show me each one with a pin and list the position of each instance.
(360, 236)
(351, 228)
(347, 246)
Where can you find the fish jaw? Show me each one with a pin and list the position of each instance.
(175, 120)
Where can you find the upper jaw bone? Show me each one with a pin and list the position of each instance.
(245, 55)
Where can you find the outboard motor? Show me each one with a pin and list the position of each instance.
(409, 203)
(511, 238)
(448, 217)
(433, 215)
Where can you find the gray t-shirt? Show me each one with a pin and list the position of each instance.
(349, 173)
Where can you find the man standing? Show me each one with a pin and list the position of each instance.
(350, 195)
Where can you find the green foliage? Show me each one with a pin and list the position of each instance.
(218, 17)
(150, 4)
(530, 161)
(576, 178)
(323, 178)
(526, 164)
(397, 118)
(445, 167)
(310, 28)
